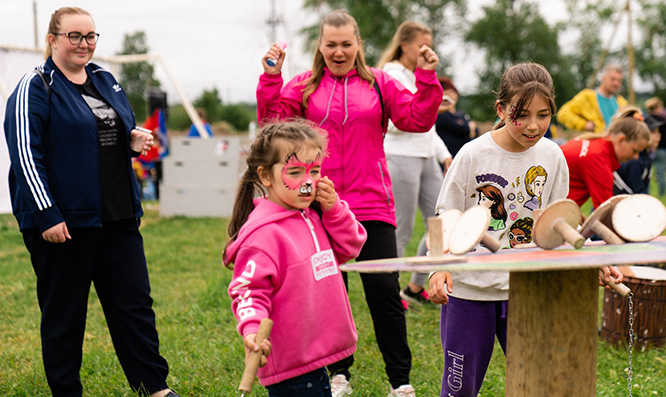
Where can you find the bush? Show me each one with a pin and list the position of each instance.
(178, 119)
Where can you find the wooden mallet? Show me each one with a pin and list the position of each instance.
(439, 231)
(472, 229)
(254, 358)
(556, 224)
(638, 217)
(598, 220)
(596, 224)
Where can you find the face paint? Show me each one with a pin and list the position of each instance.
(513, 116)
(293, 176)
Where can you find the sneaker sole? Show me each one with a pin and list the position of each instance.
(409, 299)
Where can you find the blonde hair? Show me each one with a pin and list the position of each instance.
(531, 175)
(523, 82)
(54, 24)
(336, 19)
(653, 104)
(628, 120)
(406, 33)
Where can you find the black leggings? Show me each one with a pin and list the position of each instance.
(382, 293)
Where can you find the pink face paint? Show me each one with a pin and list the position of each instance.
(513, 116)
(304, 183)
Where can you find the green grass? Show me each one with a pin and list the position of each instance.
(197, 328)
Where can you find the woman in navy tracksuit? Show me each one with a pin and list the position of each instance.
(77, 204)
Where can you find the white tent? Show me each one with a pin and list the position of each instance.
(17, 61)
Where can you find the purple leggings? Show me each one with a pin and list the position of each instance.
(468, 330)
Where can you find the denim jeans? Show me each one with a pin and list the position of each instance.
(312, 384)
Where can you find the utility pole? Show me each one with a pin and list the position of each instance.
(630, 55)
(272, 21)
(34, 22)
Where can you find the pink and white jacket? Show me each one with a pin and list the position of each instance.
(348, 108)
(286, 268)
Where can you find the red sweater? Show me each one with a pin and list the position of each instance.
(591, 166)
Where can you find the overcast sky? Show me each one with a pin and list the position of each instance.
(213, 43)
(206, 43)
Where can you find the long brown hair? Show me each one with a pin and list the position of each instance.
(523, 82)
(54, 24)
(336, 19)
(272, 143)
(406, 33)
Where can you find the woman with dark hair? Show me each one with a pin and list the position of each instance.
(453, 126)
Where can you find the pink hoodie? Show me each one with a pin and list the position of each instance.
(286, 268)
(348, 108)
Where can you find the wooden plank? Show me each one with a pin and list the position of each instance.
(552, 328)
(593, 255)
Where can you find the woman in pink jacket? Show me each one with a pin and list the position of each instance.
(353, 103)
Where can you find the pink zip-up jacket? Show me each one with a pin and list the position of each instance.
(348, 108)
(286, 269)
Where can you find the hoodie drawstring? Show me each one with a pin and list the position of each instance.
(328, 108)
(346, 109)
(330, 99)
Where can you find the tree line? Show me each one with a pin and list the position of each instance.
(506, 31)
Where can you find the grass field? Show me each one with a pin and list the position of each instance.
(197, 328)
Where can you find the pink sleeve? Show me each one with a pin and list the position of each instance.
(251, 288)
(347, 235)
(276, 103)
(413, 112)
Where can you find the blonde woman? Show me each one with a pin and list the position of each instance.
(352, 103)
(413, 159)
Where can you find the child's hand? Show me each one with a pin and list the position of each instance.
(251, 346)
(436, 287)
(610, 271)
(326, 195)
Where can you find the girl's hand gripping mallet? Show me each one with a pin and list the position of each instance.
(253, 360)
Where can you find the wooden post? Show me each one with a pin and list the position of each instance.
(552, 333)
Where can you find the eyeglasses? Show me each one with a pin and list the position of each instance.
(75, 38)
(519, 238)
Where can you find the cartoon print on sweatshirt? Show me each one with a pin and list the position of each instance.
(492, 198)
(535, 182)
(295, 180)
(520, 232)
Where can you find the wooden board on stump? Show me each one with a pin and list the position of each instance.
(552, 329)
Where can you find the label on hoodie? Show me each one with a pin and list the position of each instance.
(324, 264)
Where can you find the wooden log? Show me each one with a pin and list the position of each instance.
(552, 333)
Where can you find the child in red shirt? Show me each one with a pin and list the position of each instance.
(593, 160)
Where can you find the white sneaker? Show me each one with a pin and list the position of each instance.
(403, 391)
(340, 386)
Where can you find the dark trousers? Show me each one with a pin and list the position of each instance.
(468, 330)
(312, 384)
(112, 258)
(382, 293)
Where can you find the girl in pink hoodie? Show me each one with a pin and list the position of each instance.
(353, 103)
(285, 248)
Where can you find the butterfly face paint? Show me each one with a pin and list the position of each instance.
(513, 116)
